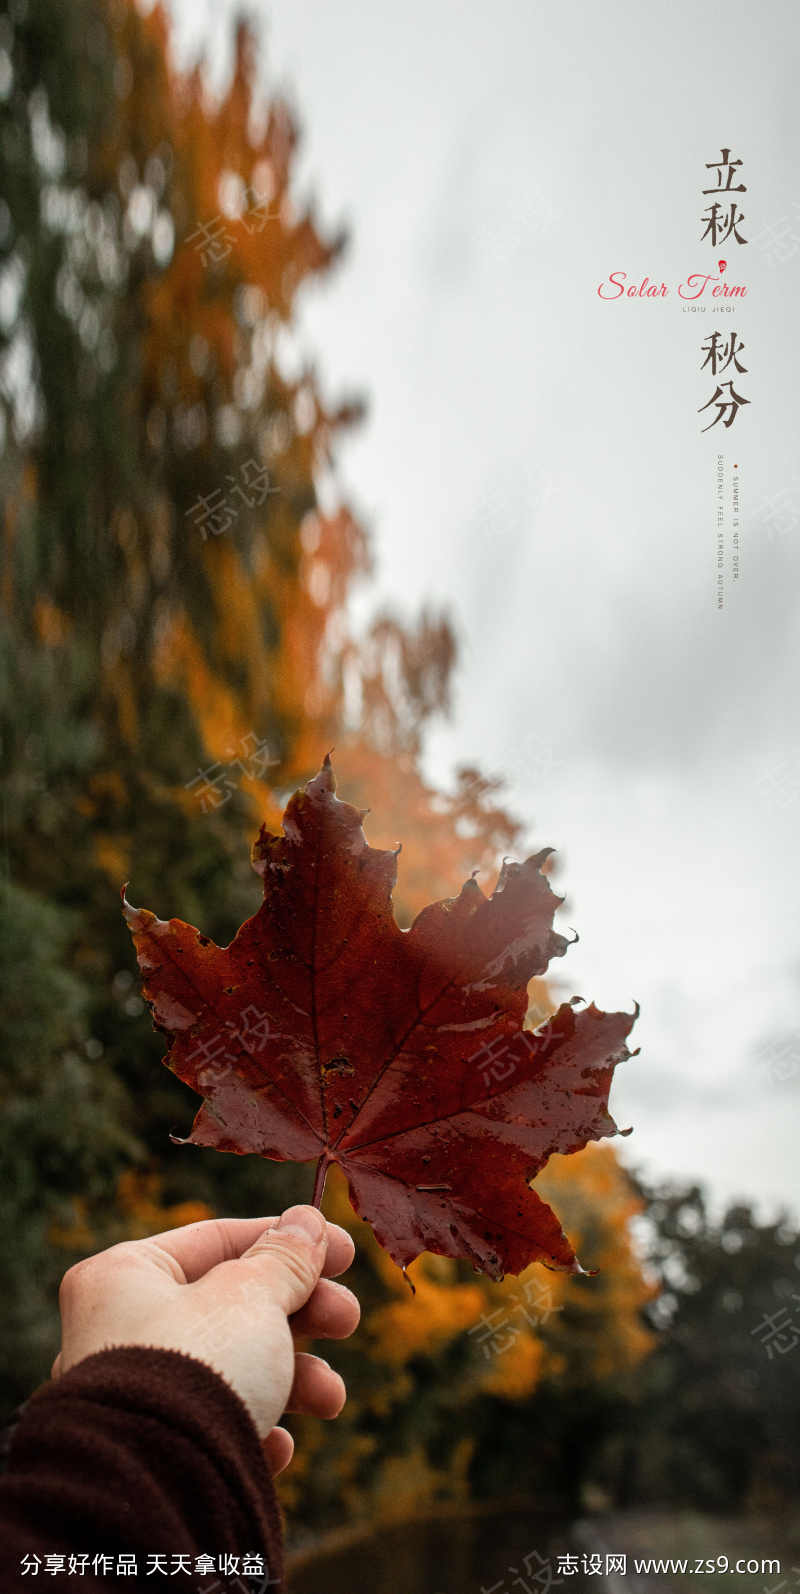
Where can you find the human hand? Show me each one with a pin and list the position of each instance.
(235, 1293)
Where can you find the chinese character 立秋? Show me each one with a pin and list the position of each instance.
(725, 164)
(722, 224)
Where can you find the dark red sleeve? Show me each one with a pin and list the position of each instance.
(137, 1452)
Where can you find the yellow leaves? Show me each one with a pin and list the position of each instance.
(137, 1210)
(409, 1483)
(437, 857)
(543, 1325)
(602, 1335)
(76, 1234)
(143, 1211)
(239, 628)
(121, 688)
(514, 1372)
(180, 661)
(423, 1323)
(113, 856)
(338, 1210)
(104, 797)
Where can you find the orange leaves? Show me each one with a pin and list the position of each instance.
(541, 1327)
(138, 1210)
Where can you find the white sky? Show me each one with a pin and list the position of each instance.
(533, 462)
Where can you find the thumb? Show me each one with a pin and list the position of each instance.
(288, 1258)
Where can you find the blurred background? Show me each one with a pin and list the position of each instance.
(327, 439)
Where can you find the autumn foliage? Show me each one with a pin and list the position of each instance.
(325, 1031)
(179, 558)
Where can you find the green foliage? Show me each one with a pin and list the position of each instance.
(719, 1408)
(62, 1118)
(97, 473)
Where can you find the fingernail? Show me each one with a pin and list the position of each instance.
(305, 1224)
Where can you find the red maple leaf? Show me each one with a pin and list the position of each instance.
(325, 1031)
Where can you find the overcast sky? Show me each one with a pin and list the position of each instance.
(534, 462)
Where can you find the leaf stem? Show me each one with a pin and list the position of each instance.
(319, 1179)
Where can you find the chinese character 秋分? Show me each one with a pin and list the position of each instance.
(731, 405)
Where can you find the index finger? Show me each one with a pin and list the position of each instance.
(197, 1247)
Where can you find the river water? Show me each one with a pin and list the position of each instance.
(516, 1551)
(510, 1553)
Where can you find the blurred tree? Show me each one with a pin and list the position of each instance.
(60, 1123)
(448, 1385)
(178, 562)
(719, 1404)
(177, 566)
